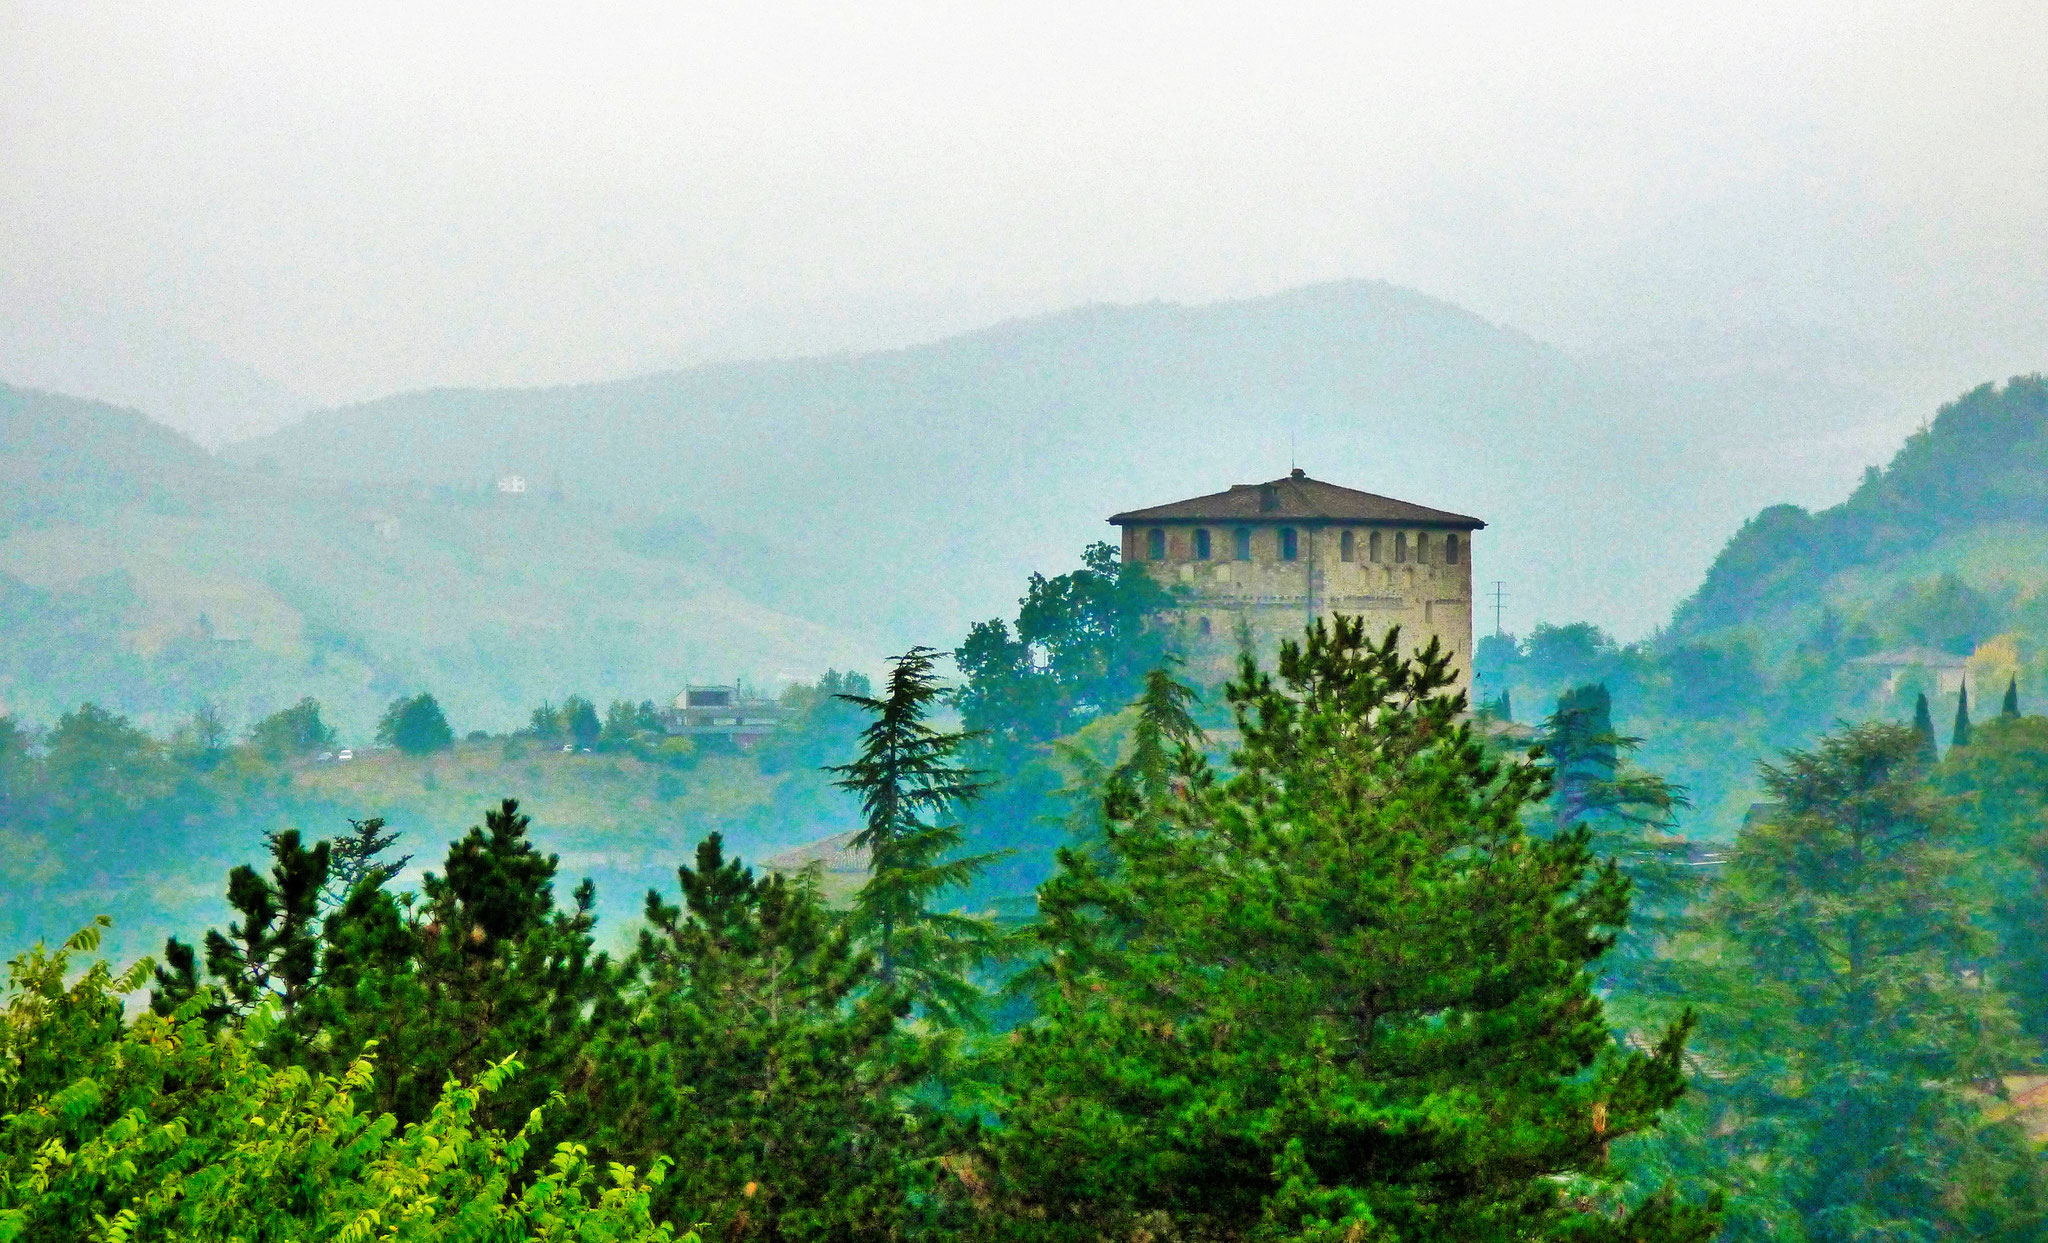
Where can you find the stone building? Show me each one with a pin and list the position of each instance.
(1254, 564)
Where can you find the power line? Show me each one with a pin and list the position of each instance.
(1499, 597)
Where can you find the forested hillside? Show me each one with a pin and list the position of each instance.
(138, 572)
(1968, 494)
(1944, 550)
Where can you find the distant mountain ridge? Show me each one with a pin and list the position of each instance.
(921, 485)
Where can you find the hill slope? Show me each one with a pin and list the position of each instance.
(919, 486)
(1967, 496)
(137, 571)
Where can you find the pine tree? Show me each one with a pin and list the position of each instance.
(2010, 709)
(910, 783)
(485, 967)
(752, 1053)
(1961, 737)
(353, 861)
(1339, 993)
(1923, 728)
(272, 953)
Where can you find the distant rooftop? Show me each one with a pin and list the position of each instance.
(1297, 498)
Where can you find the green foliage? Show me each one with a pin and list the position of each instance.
(293, 732)
(1846, 1016)
(1978, 462)
(415, 726)
(909, 781)
(754, 1050)
(272, 954)
(580, 723)
(96, 764)
(1961, 736)
(2010, 708)
(1631, 817)
(2000, 787)
(1337, 993)
(201, 740)
(1081, 647)
(485, 967)
(626, 722)
(168, 1129)
(1923, 729)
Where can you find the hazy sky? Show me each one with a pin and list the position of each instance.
(354, 199)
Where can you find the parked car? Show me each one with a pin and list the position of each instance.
(344, 755)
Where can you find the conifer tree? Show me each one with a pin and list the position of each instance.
(752, 1053)
(354, 860)
(1632, 816)
(1849, 1020)
(272, 952)
(1961, 737)
(1923, 728)
(1340, 993)
(484, 967)
(2010, 709)
(910, 784)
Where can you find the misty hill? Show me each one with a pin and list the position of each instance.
(1946, 546)
(140, 572)
(917, 487)
(129, 360)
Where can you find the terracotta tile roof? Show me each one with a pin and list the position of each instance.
(1296, 498)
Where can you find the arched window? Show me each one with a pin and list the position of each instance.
(1422, 547)
(1244, 543)
(1347, 547)
(1202, 552)
(1450, 550)
(1400, 546)
(1372, 546)
(1202, 626)
(1289, 546)
(1155, 543)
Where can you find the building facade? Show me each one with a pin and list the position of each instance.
(1254, 564)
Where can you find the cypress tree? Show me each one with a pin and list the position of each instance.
(1962, 734)
(2010, 709)
(1923, 725)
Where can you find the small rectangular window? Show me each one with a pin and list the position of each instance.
(1155, 543)
(1347, 548)
(1422, 547)
(1289, 549)
(1400, 547)
(1372, 546)
(1201, 544)
(1244, 543)
(1450, 550)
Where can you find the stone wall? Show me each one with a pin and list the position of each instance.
(1273, 598)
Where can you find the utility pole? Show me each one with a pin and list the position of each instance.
(1499, 596)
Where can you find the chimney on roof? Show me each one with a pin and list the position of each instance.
(1297, 473)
